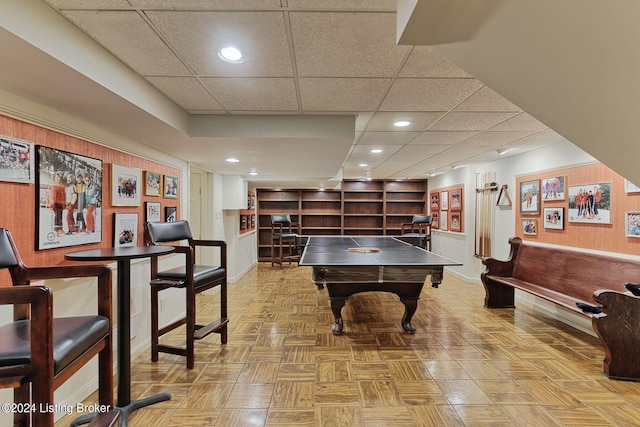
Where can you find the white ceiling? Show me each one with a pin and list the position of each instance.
(306, 58)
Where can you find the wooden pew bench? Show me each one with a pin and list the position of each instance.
(567, 277)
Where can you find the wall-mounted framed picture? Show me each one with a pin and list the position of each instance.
(15, 160)
(68, 199)
(444, 223)
(435, 220)
(170, 214)
(590, 203)
(630, 187)
(434, 197)
(170, 187)
(152, 212)
(152, 183)
(125, 229)
(553, 188)
(125, 186)
(444, 200)
(530, 197)
(553, 218)
(455, 199)
(455, 221)
(530, 226)
(632, 224)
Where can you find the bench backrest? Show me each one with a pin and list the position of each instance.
(573, 273)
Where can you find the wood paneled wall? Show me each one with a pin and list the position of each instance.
(18, 200)
(605, 237)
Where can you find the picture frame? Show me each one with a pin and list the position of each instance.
(152, 183)
(444, 224)
(553, 218)
(530, 197)
(15, 160)
(455, 221)
(529, 226)
(125, 229)
(152, 212)
(171, 187)
(554, 188)
(632, 224)
(59, 223)
(170, 214)
(435, 220)
(455, 199)
(125, 186)
(590, 203)
(434, 197)
(630, 187)
(444, 200)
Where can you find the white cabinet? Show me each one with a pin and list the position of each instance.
(234, 193)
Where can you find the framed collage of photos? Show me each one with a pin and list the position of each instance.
(446, 209)
(68, 199)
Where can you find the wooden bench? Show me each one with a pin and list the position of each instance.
(567, 277)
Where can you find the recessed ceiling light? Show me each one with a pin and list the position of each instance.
(232, 54)
(253, 173)
(502, 151)
(363, 165)
(401, 123)
(376, 150)
(231, 160)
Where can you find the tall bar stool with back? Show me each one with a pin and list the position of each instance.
(283, 236)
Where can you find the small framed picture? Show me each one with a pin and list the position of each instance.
(553, 218)
(455, 199)
(125, 231)
(125, 186)
(632, 224)
(170, 214)
(455, 221)
(152, 212)
(170, 187)
(152, 183)
(444, 223)
(530, 197)
(17, 164)
(434, 197)
(530, 227)
(630, 187)
(444, 200)
(553, 188)
(435, 220)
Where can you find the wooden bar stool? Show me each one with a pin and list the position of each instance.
(283, 235)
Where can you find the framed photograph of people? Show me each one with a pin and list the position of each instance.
(434, 197)
(170, 187)
(632, 224)
(530, 197)
(590, 203)
(553, 188)
(530, 226)
(455, 221)
(16, 164)
(553, 218)
(444, 200)
(125, 229)
(152, 183)
(170, 214)
(152, 212)
(125, 186)
(455, 199)
(435, 220)
(68, 199)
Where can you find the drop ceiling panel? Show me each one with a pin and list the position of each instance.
(332, 44)
(127, 36)
(428, 94)
(437, 137)
(383, 121)
(493, 138)
(387, 138)
(208, 4)
(261, 34)
(320, 94)
(382, 5)
(426, 62)
(486, 99)
(521, 122)
(255, 93)
(187, 92)
(457, 121)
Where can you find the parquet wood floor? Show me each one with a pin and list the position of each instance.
(465, 365)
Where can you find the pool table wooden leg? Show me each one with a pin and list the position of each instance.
(410, 307)
(336, 307)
